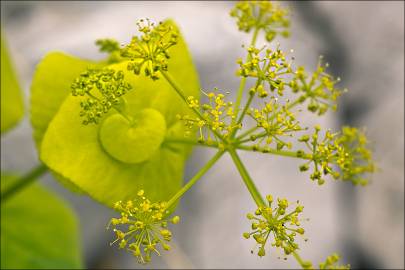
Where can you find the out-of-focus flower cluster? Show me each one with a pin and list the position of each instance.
(269, 16)
(343, 155)
(319, 88)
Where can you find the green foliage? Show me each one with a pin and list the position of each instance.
(12, 105)
(50, 87)
(38, 230)
(145, 133)
(76, 152)
(139, 140)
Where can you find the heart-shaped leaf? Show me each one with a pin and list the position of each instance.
(143, 135)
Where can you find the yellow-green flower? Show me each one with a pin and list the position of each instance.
(262, 15)
(343, 155)
(319, 88)
(331, 263)
(149, 52)
(217, 115)
(142, 227)
(103, 89)
(270, 67)
(274, 121)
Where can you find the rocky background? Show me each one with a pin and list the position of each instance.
(364, 44)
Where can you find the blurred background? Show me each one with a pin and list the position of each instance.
(364, 44)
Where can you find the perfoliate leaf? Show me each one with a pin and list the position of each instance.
(77, 153)
(12, 106)
(50, 86)
(38, 231)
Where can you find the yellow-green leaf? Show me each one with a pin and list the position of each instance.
(38, 230)
(74, 150)
(50, 86)
(12, 105)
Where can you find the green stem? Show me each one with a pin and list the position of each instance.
(246, 178)
(304, 264)
(295, 103)
(243, 80)
(275, 152)
(245, 109)
(260, 135)
(123, 113)
(246, 133)
(119, 110)
(292, 105)
(196, 177)
(175, 86)
(23, 182)
(190, 141)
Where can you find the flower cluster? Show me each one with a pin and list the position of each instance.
(110, 86)
(319, 88)
(150, 52)
(272, 68)
(108, 45)
(261, 15)
(143, 227)
(346, 150)
(274, 121)
(217, 115)
(331, 263)
(269, 222)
